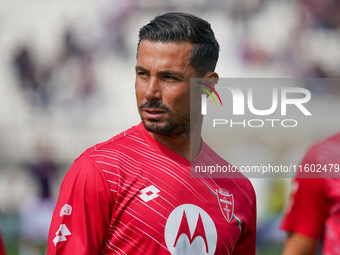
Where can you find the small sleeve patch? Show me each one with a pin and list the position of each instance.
(66, 210)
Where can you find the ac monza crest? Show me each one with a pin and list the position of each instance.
(226, 202)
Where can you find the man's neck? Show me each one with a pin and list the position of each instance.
(181, 144)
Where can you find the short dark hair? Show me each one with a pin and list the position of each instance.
(183, 27)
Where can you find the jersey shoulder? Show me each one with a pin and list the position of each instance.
(328, 146)
(234, 177)
(122, 138)
(217, 159)
(322, 155)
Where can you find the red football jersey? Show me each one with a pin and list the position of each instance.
(133, 195)
(314, 208)
(2, 246)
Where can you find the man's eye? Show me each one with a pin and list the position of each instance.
(142, 74)
(170, 78)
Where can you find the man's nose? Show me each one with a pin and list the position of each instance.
(153, 90)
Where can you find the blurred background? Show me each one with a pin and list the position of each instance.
(67, 83)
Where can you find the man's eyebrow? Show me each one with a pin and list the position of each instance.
(165, 72)
(140, 68)
(171, 72)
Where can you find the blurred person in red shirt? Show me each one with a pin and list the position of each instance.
(313, 212)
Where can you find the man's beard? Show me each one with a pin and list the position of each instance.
(169, 129)
(176, 125)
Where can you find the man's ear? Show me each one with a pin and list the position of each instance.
(212, 75)
(210, 79)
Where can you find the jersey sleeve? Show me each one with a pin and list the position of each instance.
(247, 242)
(308, 206)
(82, 215)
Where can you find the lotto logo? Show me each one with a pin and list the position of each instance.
(61, 234)
(149, 193)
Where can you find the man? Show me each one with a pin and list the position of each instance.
(314, 209)
(133, 194)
